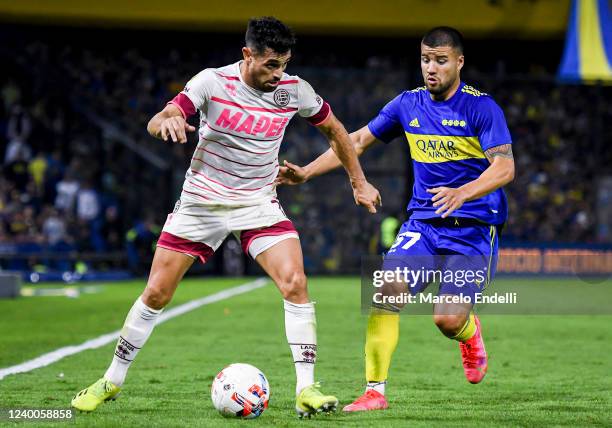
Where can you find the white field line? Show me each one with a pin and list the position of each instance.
(58, 354)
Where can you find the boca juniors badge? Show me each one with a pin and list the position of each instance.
(281, 97)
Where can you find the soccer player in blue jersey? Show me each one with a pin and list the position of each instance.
(462, 155)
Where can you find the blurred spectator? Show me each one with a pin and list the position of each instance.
(37, 169)
(19, 129)
(16, 171)
(11, 94)
(54, 227)
(140, 240)
(67, 190)
(88, 204)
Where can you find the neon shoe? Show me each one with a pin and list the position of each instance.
(371, 400)
(91, 397)
(474, 356)
(311, 401)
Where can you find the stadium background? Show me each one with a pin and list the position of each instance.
(85, 190)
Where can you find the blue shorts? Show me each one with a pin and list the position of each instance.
(462, 258)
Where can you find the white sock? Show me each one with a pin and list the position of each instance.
(136, 330)
(377, 386)
(301, 329)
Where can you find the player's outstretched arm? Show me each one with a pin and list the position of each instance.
(365, 194)
(499, 173)
(292, 174)
(169, 123)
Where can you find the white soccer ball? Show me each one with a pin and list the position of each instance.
(240, 390)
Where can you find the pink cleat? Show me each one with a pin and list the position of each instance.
(371, 400)
(474, 356)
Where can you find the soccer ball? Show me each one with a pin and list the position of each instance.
(240, 390)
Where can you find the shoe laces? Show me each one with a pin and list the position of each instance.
(101, 388)
(370, 393)
(469, 355)
(315, 388)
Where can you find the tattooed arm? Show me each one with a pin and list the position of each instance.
(499, 173)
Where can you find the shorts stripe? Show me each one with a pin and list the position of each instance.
(493, 235)
(185, 246)
(280, 228)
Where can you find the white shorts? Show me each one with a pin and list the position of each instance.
(198, 230)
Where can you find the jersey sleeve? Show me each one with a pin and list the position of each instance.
(387, 126)
(491, 126)
(196, 94)
(310, 105)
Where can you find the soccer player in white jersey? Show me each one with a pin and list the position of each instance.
(230, 188)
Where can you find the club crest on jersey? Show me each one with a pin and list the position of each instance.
(281, 97)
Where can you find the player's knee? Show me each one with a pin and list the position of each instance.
(450, 325)
(156, 296)
(293, 287)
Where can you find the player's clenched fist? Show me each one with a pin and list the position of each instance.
(175, 127)
(366, 195)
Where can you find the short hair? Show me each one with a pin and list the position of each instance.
(444, 36)
(269, 32)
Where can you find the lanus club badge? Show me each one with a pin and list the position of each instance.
(281, 97)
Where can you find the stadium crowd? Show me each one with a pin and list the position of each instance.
(67, 184)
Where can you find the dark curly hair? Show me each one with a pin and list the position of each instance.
(269, 32)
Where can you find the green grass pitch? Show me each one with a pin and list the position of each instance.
(543, 370)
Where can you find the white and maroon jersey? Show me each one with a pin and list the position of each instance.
(241, 130)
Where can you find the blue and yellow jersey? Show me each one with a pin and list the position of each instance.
(447, 142)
